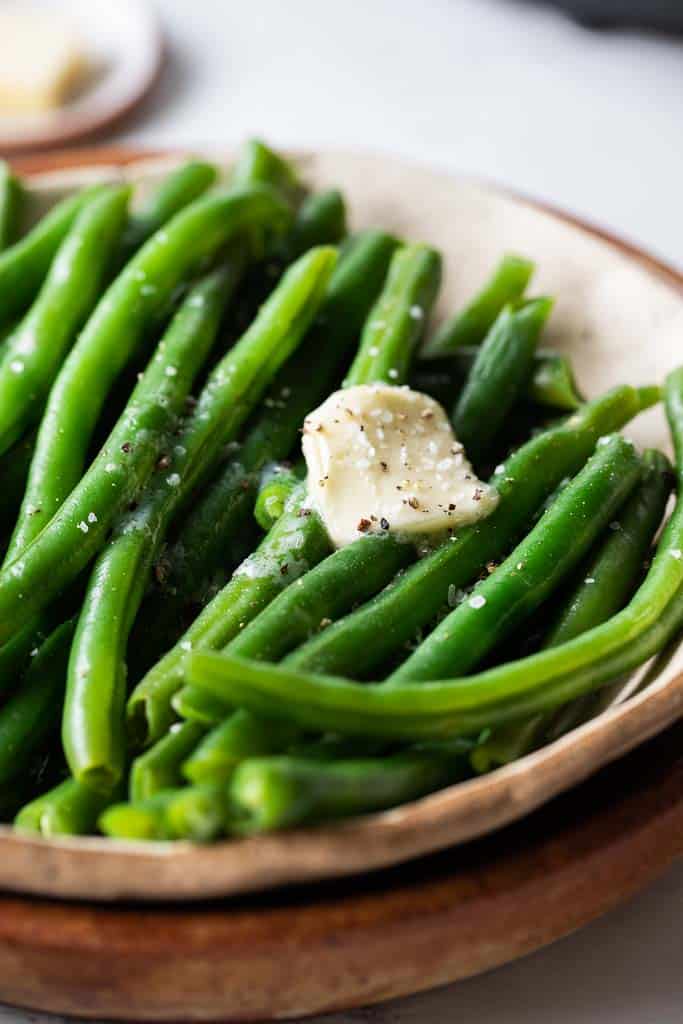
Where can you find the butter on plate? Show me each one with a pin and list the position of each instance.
(42, 61)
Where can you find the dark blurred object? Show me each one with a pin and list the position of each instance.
(664, 15)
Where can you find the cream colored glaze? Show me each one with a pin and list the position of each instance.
(385, 459)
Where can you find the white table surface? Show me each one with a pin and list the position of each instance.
(496, 88)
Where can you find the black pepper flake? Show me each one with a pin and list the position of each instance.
(413, 502)
(163, 462)
(384, 523)
(477, 494)
(363, 525)
(283, 568)
(303, 512)
(451, 506)
(126, 447)
(384, 466)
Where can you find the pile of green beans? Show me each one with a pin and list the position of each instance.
(172, 598)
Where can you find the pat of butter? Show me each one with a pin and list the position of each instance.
(41, 60)
(384, 458)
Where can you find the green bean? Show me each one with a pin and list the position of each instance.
(15, 653)
(369, 636)
(293, 545)
(79, 529)
(239, 736)
(534, 569)
(180, 187)
(462, 707)
(349, 575)
(499, 375)
(273, 494)
(24, 265)
(552, 382)
(320, 219)
(14, 467)
(159, 767)
(27, 718)
(359, 570)
(396, 322)
(470, 326)
(608, 579)
(199, 706)
(296, 543)
(11, 197)
(93, 744)
(257, 164)
(110, 337)
(271, 434)
(197, 813)
(617, 564)
(281, 792)
(37, 347)
(69, 809)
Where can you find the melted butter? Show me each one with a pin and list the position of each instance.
(385, 459)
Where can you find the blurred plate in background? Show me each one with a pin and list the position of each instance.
(124, 49)
(666, 15)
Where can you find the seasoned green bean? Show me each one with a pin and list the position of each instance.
(281, 792)
(92, 737)
(67, 543)
(413, 277)
(320, 219)
(462, 707)
(239, 736)
(258, 164)
(471, 325)
(499, 375)
(179, 188)
(36, 348)
(11, 196)
(396, 322)
(27, 718)
(607, 580)
(273, 495)
(159, 767)
(271, 435)
(298, 541)
(69, 809)
(198, 813)
(533, 570)
(369, 636)
(552, 383)
(23, 266)
(110, 337)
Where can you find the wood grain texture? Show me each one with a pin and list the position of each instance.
(369, 937)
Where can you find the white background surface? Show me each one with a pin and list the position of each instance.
(590, 121)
